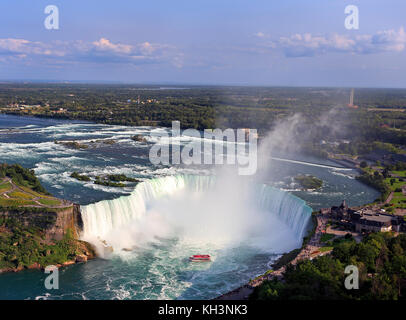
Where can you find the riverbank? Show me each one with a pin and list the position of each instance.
(88, 254)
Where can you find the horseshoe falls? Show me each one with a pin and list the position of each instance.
(146, 236)
(197, 213)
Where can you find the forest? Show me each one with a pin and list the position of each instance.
(324, 114)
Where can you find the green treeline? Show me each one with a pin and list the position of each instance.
(21, 176)
(377, 181)
(121, 177)
(112, 180)
(80, 177)
(324, 114)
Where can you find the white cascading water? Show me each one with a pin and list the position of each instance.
(198, 209)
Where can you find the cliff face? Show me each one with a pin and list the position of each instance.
(36, 237)
(54, 223)
(67, 219)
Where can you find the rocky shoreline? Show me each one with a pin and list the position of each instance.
(36, 266)
(88, 253)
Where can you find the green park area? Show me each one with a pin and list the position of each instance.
(20, 188)
(396, 182)
(390, 181)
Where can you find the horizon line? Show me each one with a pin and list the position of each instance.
(178, 84)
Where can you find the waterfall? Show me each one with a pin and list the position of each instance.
(104, 217)
(101, 217)
(289, 208)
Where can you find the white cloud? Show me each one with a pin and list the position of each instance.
(23, 48)
(305, 45)
(260, 35)
(100, 51)
(106, 51)
(105, 45)
(390, 40)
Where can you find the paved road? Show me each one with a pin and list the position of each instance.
(389, 198)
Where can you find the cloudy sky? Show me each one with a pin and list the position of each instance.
(241, 42)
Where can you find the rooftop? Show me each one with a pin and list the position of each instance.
(376, 217)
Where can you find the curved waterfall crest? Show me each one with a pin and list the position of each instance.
(102, 217)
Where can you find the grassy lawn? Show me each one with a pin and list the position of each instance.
(5, 186)
(24, 197)
(49, 202)
(15, 202)
(32, 192)
(399, 173)
(21, 188)
(324, 249)
(20, 195)
(326, 237)
(396, 184)
(399, 199)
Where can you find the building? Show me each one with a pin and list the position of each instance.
(373, 222)
(341, 212)
(365, 219)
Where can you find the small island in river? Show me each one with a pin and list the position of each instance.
(309, 182)
(112, 180)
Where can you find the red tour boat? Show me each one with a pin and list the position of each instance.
(199, 258)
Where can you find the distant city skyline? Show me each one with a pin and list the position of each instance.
(226, 42)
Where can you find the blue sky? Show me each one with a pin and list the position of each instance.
(251, 42)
